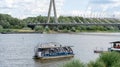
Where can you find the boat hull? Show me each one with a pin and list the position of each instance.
(54, 57)
(98, 51)
(114, 49)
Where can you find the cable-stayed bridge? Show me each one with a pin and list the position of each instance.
(84, 21)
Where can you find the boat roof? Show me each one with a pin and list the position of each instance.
(115, 42)
(51, 45)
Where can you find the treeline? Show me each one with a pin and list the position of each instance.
(8, 22)
(110, 59)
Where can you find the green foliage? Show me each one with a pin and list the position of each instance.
(96, 64)
(65, 31)
(74, 63)
(73, 29)
(6, 31)
(26, 28)
(39, 28)
(8, 22)
(1, 28)
(95, 28)
(55, 28)
(116, 64)
(82, 28)
(5, 24)
(110, 58)
(47, 29)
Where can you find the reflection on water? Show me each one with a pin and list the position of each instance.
(17, 50)
(54, 62)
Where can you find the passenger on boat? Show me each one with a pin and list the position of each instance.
(118, 46)
(114, 45)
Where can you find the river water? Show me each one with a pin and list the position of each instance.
(17, 50)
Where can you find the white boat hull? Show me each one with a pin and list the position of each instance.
(55, 57)
(114, 49)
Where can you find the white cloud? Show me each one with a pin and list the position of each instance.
(25, 8)
(110, 5)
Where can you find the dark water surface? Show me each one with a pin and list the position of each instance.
(17, 50)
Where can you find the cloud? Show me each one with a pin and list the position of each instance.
(96, 8)
(105, 5)
(25, 8)
(102, 1)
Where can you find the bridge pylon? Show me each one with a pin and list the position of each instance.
(52, 2)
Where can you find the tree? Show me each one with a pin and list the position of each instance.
(1, 28)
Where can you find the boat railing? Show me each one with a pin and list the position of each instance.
(58, 54)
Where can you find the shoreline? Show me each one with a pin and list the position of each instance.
(84, 33)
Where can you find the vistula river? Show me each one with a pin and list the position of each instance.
(17, 50)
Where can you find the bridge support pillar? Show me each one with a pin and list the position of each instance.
(52, 2)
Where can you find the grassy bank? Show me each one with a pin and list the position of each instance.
(69, 29)
(110, 59)
(49, 31)
(16, 31)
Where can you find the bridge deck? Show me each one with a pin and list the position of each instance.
(52, 24)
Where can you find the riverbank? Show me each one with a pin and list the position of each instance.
(29, 31)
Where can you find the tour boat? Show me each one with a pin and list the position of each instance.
(115, 46)
(53, 50)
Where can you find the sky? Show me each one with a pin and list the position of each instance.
(86, 8)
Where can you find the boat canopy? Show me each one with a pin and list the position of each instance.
(115, 42)
(51, 45)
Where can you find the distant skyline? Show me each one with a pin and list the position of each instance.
(87, 8)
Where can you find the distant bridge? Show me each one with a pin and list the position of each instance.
(100, 22)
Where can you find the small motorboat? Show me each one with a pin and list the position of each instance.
(115, 46)
(98, 50)
(53, 50)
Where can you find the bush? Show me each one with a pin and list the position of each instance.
(65, 31)
(73, 29)
(96, 64)
(110, 58)
(74, 63)
(116, 64)
(47, 29)
(6, 31)
(39, 28)
(26, 28)
(1, 28)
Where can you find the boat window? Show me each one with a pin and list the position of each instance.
(40, 49)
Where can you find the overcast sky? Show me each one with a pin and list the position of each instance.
(29, 8)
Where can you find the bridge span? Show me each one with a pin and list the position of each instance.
(73, 24)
